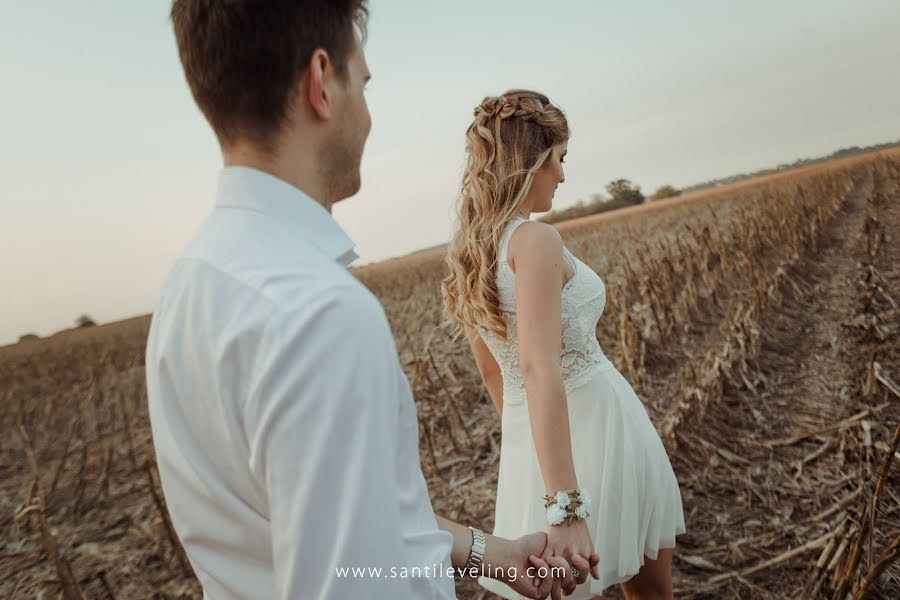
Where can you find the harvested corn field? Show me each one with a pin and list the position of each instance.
(758, 322)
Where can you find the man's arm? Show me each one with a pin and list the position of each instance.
(322, 429)
(517, 563)
(504, 560)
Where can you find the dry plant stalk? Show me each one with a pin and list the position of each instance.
(180, 556)
(848, 571)
(70, 588)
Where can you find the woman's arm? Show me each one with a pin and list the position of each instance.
(540, 275)
(488, 367)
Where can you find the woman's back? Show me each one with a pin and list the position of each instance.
(583, 300)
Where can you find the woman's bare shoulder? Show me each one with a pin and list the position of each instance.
(534, 242)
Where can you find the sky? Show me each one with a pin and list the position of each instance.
(107, 166)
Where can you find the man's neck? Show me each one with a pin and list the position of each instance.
(297, 171)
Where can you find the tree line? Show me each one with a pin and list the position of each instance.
(620, 193)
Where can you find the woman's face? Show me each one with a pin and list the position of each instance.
(546, 180)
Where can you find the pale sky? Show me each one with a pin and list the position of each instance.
(107, 166)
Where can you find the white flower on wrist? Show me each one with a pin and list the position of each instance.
(555, 515)
(562, 499)
(581, 512)
(585, 497)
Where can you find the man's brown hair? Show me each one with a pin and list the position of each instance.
(242, 58)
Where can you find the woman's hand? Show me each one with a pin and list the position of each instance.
(573, 543)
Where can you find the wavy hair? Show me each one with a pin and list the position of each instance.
(509, 139)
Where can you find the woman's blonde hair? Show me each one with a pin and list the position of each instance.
(509, 139)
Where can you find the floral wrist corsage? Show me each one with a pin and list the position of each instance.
(566, 506)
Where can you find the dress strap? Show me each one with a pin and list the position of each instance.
(504, 239)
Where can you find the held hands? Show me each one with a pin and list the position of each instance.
(567, 546)
(523, 565)
(527, 558)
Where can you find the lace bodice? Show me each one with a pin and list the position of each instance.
(583, 300)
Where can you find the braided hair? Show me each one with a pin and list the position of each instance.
(509, 139)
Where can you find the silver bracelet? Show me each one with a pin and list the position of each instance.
(476, 553)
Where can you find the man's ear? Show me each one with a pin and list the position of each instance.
(320, 75)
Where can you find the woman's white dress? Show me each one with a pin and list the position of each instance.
(619, 457)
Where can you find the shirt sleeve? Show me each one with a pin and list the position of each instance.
(322, 429)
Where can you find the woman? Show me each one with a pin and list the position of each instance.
(579, 455)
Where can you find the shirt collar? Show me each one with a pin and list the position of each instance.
(251, 189)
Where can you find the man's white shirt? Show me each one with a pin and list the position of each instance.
(284, 427)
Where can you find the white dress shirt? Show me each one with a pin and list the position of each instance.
(285, 430)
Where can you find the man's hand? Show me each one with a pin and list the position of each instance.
(517, 563)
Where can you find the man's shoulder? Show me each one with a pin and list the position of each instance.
(293, 316)
(342, 302)
(284, 289)
(234, 281)
(286, 272)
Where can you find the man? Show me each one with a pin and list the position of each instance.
(284, 428)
